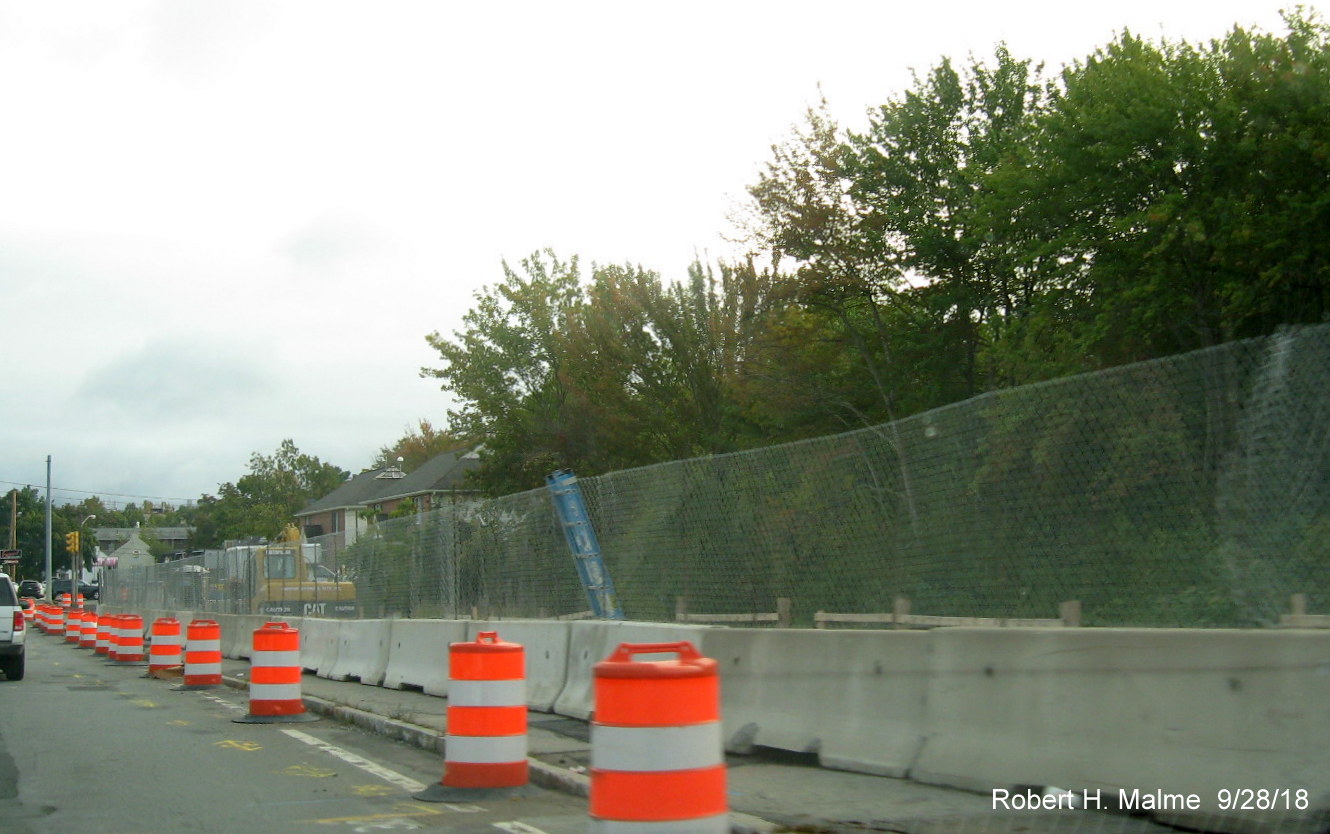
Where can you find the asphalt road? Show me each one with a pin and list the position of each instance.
(88, 746)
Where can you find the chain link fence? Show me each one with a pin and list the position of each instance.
(1187, 491)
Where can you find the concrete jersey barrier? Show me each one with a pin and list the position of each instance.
(1180, 711)
(418, 653)
(546, 645)
(362, 651)
(855, 698)
(1176, 711)
(590, 642)
(320, 643)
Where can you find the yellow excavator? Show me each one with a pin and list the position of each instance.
(286, 578)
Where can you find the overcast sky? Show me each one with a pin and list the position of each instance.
(223, 224)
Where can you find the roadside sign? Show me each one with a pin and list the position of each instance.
(10, 557)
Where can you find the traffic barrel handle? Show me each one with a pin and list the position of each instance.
(685, 650)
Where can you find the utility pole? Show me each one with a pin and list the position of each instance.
(48, 521)
(12, 550)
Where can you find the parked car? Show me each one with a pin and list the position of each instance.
(13, 631)
(32, 589)
(61, 586)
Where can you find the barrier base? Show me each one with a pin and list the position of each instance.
(276, 719)
(195, 687)
(441, 793)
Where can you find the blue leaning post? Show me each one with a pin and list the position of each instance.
(582, 542)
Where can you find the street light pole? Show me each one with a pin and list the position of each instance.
(76, 565)
(50, 576)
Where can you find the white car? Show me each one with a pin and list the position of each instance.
(13, 631)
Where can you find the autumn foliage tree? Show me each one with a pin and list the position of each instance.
(418, 445)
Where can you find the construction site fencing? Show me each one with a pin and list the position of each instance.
(1187, 491)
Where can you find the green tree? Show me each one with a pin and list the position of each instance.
(264, 501)
(624, 371)
(505, 368)
(890, 236)
(655, 367)
(920, 175)
(29, 531)
(1180, 190)
(805, 212)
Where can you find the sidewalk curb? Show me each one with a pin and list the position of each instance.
(541, 773)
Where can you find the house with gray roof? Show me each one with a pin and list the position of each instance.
(134, 553)
(440, 481)
(110, 538)
(347, 511)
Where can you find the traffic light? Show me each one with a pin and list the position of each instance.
(72, 542)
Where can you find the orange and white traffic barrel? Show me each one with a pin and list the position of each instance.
(165, 651)
(486, 743)
(56, 621)
(203, 656)
(129, 648)
(657, 753)
(108, 636)
(113, 653)
(88, 634)
(274, 677)
(73, 625)
(105, 624)
(43, 614)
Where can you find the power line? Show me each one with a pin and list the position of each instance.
(39, 488)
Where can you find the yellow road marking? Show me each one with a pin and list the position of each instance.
(247, 746)
(311, 772)
(411, 811)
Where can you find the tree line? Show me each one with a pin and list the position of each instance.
(24, 510)
(989, 227)
(255, 506)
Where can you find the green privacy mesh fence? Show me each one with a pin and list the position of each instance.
(1188, 491)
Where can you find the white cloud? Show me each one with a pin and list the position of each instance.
(330, 241)
(179, 380)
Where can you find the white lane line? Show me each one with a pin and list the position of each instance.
(223, 701)
(392, 777)
(517, 828)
